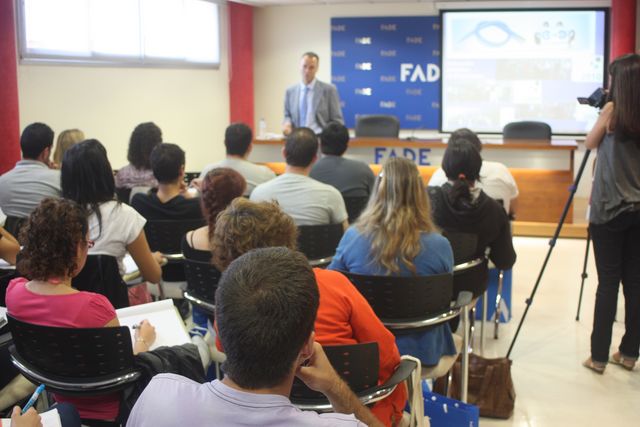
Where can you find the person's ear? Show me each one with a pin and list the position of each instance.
(307, 349)
(284, 153)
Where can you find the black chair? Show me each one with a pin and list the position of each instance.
(74, 361)
(355, 206)
(6, 275)
(101, 274)
(13, 225)
(202, 282)
(379, 126)
(358, 365)
(165, 236)
(190, 176)
(123, 194)
(319, 242)
(526, 130)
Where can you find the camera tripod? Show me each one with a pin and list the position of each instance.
(552, 244)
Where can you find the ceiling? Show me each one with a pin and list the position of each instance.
(471, 3)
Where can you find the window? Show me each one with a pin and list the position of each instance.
(127, 32)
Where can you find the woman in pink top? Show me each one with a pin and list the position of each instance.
(55, 250)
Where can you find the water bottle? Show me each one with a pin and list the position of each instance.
(262, 129)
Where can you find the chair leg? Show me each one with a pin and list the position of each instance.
(471, 319)
(464, 365)
(497, 312)
(485, 302)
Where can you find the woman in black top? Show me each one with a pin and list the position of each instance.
(458, 206)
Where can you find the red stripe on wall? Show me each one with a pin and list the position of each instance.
(623, 27)
(9, 115)
(241, 63)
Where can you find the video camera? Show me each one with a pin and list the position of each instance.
(597, 99)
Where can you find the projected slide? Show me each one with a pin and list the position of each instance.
(504, 66)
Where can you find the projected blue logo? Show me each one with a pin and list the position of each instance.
(388, 66)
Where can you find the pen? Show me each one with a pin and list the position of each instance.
(33, 398)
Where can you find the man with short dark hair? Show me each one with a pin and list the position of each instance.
(307, 201)
(310, 103)
(171, 200)
(238, 142)
(352, 178)
(265, 349)
(32, 179)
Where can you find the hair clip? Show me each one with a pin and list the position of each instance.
(462, 176)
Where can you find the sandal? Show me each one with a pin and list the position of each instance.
(597, 367)
(620, 360)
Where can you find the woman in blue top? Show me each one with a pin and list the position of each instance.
(396, 236)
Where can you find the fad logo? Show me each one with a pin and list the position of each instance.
(387, 104)
(363, 40)
(413, 92)
(388, 53)
(338, 53)
(413, 117)
(365, 91)
(388, 79)
(414, 40)
(339, 79)
(339, 28)
(416, 73)
(388, 27)
(364, 66)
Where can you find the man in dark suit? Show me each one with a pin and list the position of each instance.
(311, 103)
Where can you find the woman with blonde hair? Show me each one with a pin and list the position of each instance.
(396, 236)
(66, 140)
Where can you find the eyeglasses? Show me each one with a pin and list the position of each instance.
(90, 244)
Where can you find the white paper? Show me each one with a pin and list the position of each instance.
(50, 418)
(170, 329)
(130, 265)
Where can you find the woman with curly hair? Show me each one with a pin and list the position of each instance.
(395, 236)
(218, 188)
(138, 172)
(56, 243)
(344, 316)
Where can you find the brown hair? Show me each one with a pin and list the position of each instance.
(397, 212)
(246, 225)
(50, 238)
(219, 187)
(625, 79)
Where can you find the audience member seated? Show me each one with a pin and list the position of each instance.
(266, 306)
(218, 188)
(352, 178)
(56, 242)
(344, 316)
(9, 246)
(306, 200)
(495, 179)
(171, 200)
(66, 140)
(396, 236)
(238, 143)
(138, 172)
(461, 206)
(115, 228)
(32, 179)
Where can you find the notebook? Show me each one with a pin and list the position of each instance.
(170, 329)
(50, 418)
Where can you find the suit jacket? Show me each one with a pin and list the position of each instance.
(326, 104)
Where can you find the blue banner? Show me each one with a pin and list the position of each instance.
(388, 65)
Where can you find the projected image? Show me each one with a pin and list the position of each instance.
(503, 66)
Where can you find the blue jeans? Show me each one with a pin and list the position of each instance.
(616, 246)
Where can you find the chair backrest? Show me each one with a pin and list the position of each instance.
(5, 277)
(13, 225)
(472, 276)
(357, 364)
(165, 235)
(190, 176)
(409, 297)
(319, 241)
(381, 126)
(202, 280)
(526, 130)
(101, 274)
(463, 245)
(123, 194)
(355, 206)
(73, 352)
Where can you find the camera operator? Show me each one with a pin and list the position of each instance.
(614, 221)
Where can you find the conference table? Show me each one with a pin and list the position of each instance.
(543, 170)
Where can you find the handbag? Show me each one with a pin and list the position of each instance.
(446, 412)
(490, 385)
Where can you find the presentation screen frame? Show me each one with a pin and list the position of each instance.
(606, 55)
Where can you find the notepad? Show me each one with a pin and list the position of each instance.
(170, 329)
(50, 418)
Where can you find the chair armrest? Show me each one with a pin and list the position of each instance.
(468, 264)
(464, 298)
(320, 262)
(174, 257)
(402, 372)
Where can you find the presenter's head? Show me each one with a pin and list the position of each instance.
(334, 139)
(309, 66)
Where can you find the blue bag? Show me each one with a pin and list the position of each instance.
(445, 412)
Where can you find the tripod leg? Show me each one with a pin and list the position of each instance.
(584, 274)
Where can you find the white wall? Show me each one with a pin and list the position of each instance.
(191, 106)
